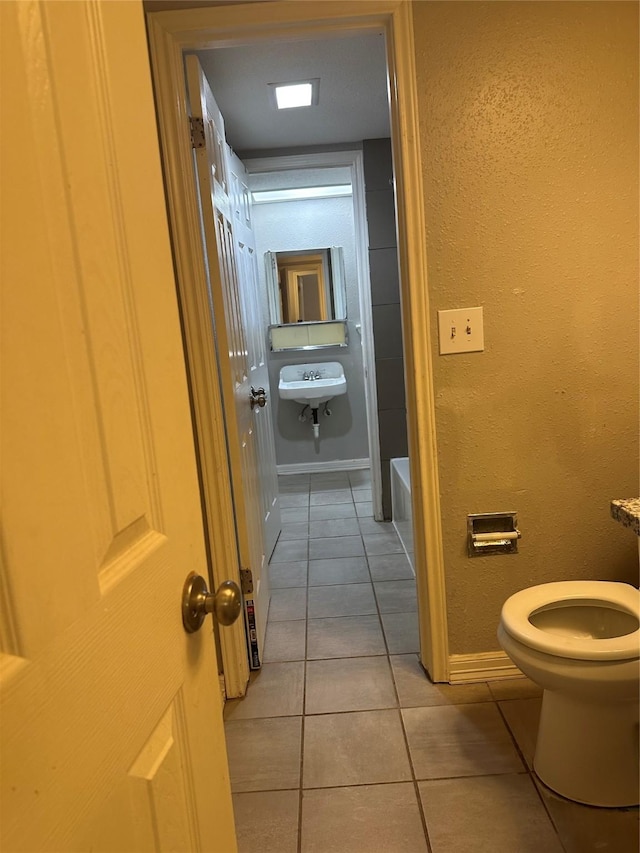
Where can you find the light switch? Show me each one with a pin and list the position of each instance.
(461, 330)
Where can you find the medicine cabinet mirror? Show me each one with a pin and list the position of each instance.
(306, 286)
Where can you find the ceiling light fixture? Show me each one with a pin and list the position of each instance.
(300, 193)
(302, 93)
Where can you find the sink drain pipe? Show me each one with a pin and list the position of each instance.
(316, 425)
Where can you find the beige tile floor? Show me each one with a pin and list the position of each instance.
(342, 745)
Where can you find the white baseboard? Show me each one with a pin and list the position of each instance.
(319, 467)
(482, 666)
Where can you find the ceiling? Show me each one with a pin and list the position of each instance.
(353, 102)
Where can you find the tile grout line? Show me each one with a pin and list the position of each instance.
(304, 701)
(304, 683)
(528, 769)
(414, 778)
(416, 791)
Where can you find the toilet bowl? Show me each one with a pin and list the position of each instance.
(580, 642)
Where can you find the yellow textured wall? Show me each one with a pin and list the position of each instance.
(529, 126)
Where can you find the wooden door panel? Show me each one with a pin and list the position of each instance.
(75, 722)
(152, 807)
(235, 334)
(158, 779)
(256, 331)
(218, 204)
(102, 516)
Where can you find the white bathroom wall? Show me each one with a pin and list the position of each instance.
(316, 223)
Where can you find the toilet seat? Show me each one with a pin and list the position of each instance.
(520, 606)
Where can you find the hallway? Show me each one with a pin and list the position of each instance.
(342, 744)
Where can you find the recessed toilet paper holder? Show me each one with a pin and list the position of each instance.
(492, 533)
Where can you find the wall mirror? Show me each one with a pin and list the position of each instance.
(306, 286)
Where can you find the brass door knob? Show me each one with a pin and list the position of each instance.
(197, 601)
(258, 397)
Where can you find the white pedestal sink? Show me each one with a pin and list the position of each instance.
(312, 384)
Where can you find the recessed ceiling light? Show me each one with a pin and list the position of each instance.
(301, 93)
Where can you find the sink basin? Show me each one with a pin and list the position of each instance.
(312, 384)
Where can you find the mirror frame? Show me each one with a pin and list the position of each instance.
(337, 284)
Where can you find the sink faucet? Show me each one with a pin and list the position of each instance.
(310, 375)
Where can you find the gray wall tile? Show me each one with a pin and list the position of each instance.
(381, 219)
(378, 166)
(387, 330)
(385, 282)
(390, 383)
(387, 508)
(393, 433)
(385, 298)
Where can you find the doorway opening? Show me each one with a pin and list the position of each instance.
(173, 34)
(349, 440)
(341, 143)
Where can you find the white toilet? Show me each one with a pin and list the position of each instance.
(580, 642)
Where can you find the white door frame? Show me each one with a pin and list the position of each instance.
(170, 33)
(353, 159)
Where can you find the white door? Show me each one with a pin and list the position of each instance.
(256, 321)
(112, 736)
(216, 203)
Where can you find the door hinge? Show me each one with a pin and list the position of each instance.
(197, 132)
(246, 581)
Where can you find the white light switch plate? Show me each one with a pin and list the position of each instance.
(461, 330)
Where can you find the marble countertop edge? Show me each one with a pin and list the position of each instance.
(627, 512)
